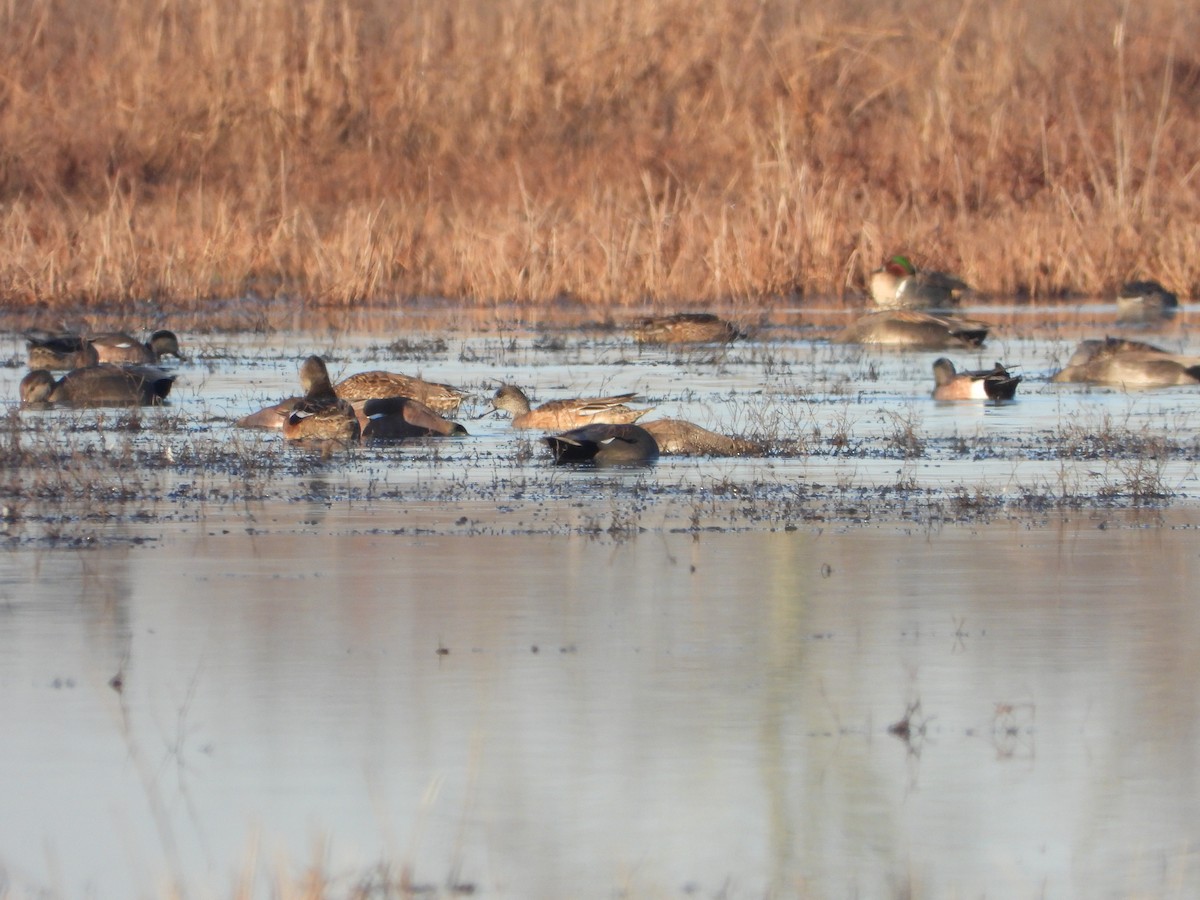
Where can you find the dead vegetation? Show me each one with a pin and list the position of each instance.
(611, 152)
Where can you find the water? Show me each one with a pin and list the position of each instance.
(453, 667)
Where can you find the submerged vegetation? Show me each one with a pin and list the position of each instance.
(636, 153)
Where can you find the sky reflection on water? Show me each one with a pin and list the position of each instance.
(659, 714)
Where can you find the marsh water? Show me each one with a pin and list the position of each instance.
(917, 649)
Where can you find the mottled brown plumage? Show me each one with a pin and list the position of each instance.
(378, 384)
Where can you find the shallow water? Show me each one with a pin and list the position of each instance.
(451, 666)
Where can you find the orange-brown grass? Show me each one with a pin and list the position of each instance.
(622, 153)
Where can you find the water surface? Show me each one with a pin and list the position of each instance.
(844, 669)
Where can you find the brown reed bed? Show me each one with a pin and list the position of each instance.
(614, 154)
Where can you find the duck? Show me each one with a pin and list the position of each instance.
(120, 347)
(320, 415)
(1116, 361)
(1103, 348)
(564, 414)
(915, 329)
(604, 444)
(685, 328)
(99, 385)
(677, 437)
(58, 350)
(270, 418)
(1143, 302)
(384, 419)
(996, 383)
(379, 384)
(897, 284)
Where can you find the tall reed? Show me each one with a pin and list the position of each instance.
(616, 152)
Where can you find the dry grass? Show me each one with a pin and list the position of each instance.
(615, 152)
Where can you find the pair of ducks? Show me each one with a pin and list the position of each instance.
(605, 431)
(1107, 361)
(111, 369)
(898, 284)
(369, 406)
(65, 350)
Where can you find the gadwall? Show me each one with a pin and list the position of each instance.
(320, 416)
(1103, 348)
(1145, 302)
(604, 444)
(675, 437)
(99, 385)
(119, 347)
(685, 328)
(899, 285)
(59, 350)
(912, 328)
(996, 383)
(1130, 363)
(565, 414)
(378, 384)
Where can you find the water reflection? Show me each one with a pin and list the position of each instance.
(662, 714)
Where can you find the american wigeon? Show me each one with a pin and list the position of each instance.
(915, 329)
(675, 437)
(378, 384)
(59, 350)
(685, 328)
(99, 385)
(397, 418)
(604, 444)
(1131, 363)
(898, 284)
(996, 383)
(119, 347)
(270, 418)
(564, 414)
(320, 415)
(1144, 302)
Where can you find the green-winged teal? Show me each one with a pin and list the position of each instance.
(119, 347)
(685, 328)
(99, 385)
(996, 383)
(915, 329)
(675, 437)
(564, 414)
(898, 284)
(604, 444)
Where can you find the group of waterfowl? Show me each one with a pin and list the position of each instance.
(385, 406)
(114, 369)
(108, 369)
(916, 311)
(119, 370)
